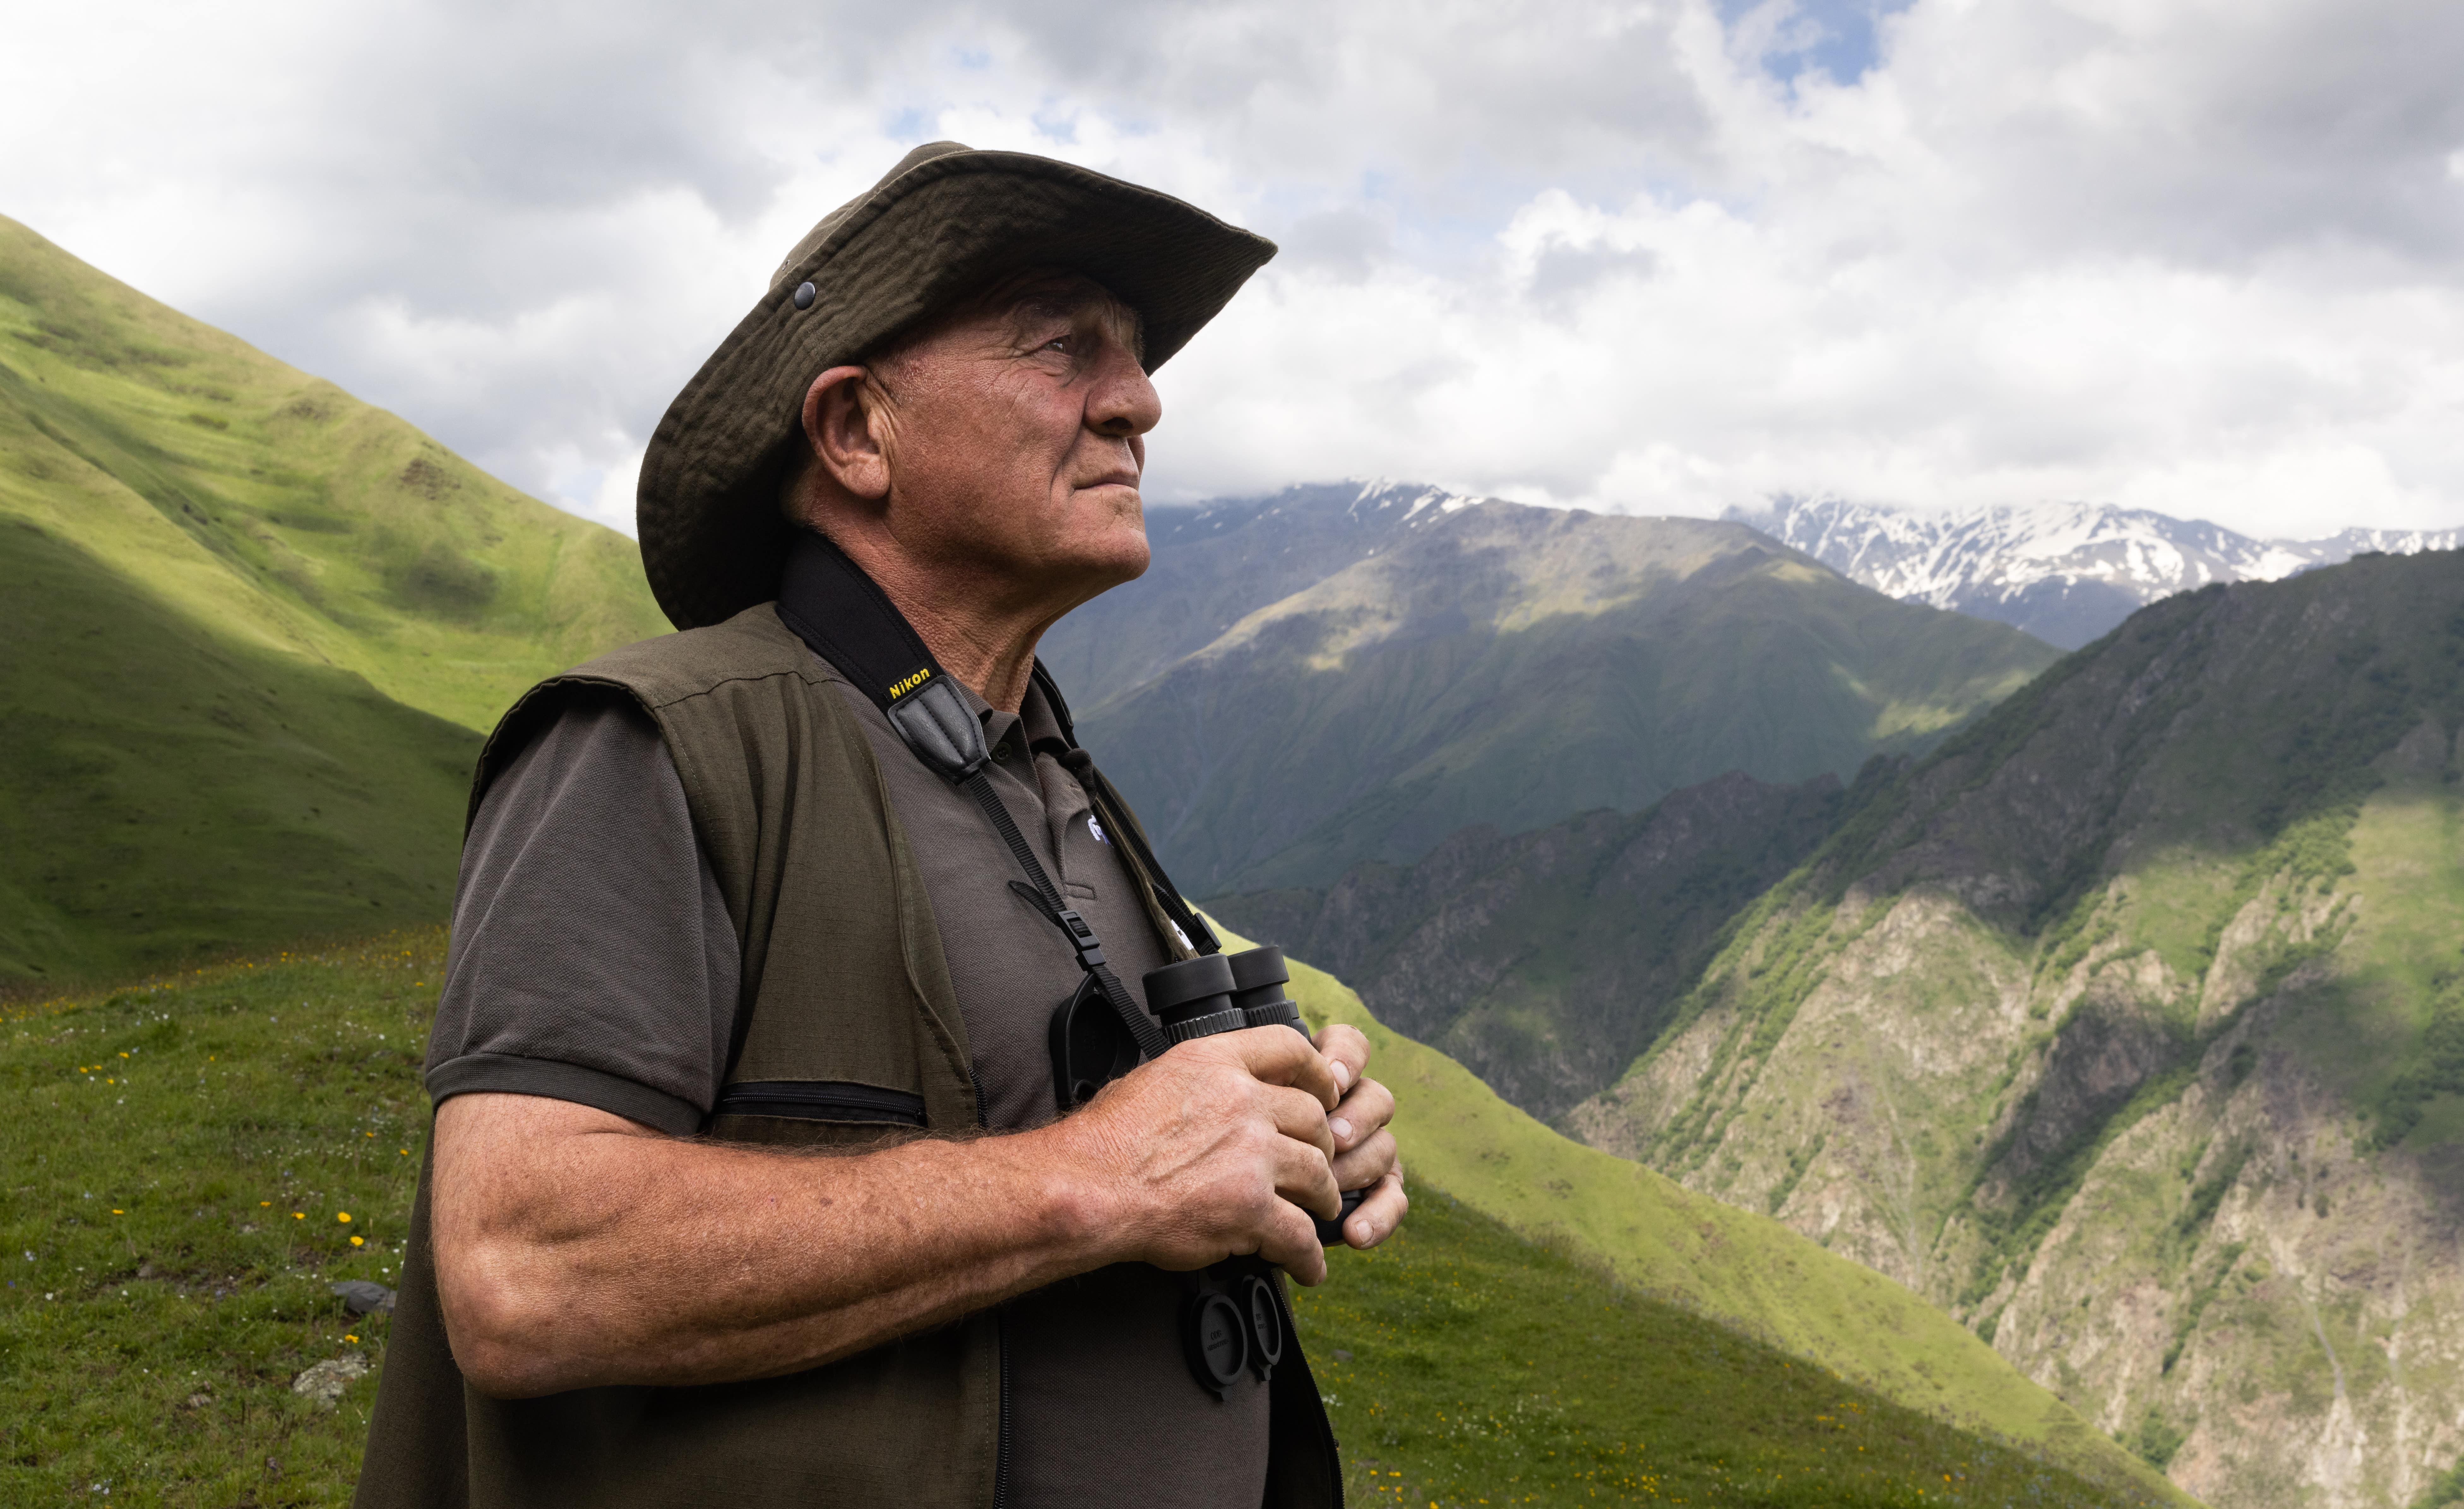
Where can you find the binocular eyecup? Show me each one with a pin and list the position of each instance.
(1223, 993)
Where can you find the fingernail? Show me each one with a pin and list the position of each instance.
(1342, 1129)
(1342, 1075)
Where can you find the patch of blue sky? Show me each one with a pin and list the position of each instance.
(1841, 38)
(911, 122)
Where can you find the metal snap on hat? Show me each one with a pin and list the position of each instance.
(944, 222)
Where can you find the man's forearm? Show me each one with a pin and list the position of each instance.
(603, 1253)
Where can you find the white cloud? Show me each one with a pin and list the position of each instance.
(2199, 255)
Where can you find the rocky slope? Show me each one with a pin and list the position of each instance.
(1486, 662)
(2129, 1027)
(2065, 573)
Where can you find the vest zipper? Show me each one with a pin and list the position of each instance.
(1001, 1451)
(820, 1100)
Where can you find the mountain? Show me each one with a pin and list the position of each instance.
(1486, 662)
(1545, 962)
(2129, 1028)
(2065, 573)
(256, 627)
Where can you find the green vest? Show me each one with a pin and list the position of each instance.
(791, 811)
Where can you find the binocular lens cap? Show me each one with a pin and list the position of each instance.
(1218, 1341)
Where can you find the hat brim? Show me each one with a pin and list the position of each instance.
(711, 537)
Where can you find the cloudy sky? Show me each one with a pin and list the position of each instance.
(2200, 255)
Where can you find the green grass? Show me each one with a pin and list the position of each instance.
(173, 1220)
(1464, 1364)
(183, 1204)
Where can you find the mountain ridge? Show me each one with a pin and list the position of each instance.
(1462, 660)
(2065, 573)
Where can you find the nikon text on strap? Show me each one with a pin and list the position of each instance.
(850, 622)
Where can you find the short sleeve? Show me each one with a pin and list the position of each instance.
(592, 958)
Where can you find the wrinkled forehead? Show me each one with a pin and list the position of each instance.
(1022, 301)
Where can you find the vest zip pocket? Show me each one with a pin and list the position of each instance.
(1000, 1443)
(820, 1100)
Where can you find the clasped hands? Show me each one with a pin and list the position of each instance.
(1228, 1144)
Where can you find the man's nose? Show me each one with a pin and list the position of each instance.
(1125, 401)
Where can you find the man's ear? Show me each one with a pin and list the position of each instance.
(848, 430)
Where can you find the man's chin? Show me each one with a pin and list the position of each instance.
(1120, 497)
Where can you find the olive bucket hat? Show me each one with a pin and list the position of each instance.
(942, 224)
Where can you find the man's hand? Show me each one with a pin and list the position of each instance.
(1365, 1156)
(1220, 1146)
(1228, 1143)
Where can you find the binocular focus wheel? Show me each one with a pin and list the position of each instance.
(1280, 1013)
(1206, 1025)
(1266, 1326)
(1218, 1338)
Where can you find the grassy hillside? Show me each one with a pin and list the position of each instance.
(1708, 1260)
(254, 625)
(183, 1154)
(273, 508)
(165, 792)
(1516, 666)
(2127, 1028)
(1462, 1364)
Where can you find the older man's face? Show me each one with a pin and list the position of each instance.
(1015, 443)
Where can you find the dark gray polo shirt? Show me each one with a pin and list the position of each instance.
(593, 961)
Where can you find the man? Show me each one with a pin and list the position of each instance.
(735, 928)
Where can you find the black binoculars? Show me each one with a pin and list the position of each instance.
(1234, 1323)
(1195, 998)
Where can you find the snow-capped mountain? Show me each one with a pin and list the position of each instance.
(2065, 573)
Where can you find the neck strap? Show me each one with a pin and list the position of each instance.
(844, 617)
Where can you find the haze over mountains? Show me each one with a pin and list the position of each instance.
(2126, 1026)
(2065, 573)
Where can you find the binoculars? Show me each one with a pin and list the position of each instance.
(1195, 998)
(1234, 1323)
